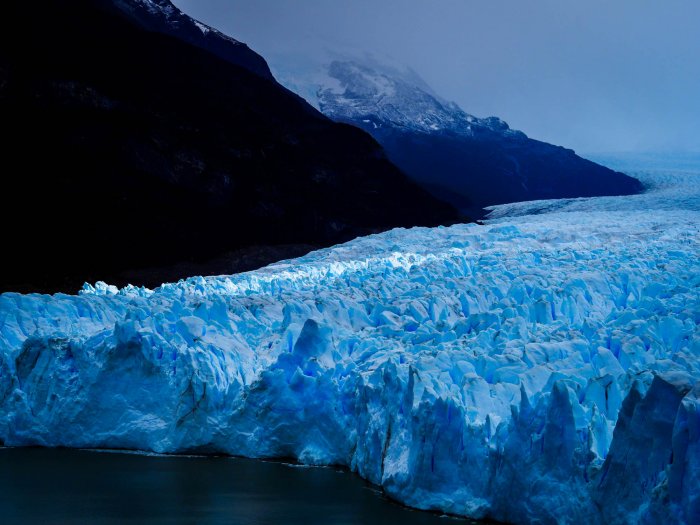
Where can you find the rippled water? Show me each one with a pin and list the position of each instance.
(74, 486)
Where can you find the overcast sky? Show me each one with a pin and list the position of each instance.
(593, 75)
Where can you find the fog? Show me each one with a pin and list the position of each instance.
(596, 76)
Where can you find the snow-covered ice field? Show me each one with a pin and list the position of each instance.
(541, 368)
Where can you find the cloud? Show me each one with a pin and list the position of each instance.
(594, 75)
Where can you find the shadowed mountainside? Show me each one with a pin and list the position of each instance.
(129, 149)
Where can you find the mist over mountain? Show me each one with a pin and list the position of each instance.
(468, 161)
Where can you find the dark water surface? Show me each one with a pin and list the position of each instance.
(74, 486)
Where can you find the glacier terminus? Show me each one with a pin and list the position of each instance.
(539, 368)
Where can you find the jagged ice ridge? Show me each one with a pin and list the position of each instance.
(541, 368)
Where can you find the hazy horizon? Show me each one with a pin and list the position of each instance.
(595, 77)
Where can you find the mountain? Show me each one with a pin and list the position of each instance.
(139, 143)
(472, 162)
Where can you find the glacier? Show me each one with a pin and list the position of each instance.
(539, 368)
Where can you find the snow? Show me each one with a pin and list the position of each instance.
(202, 27)
(538, 368)
(349, 87)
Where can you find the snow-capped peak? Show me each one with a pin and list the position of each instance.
(369, 91)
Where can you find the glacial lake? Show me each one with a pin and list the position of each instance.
(60, 486)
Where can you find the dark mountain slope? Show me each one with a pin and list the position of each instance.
(487, 169)
(127, 149)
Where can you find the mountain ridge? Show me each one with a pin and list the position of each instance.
(162, 16)
(471, 162)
